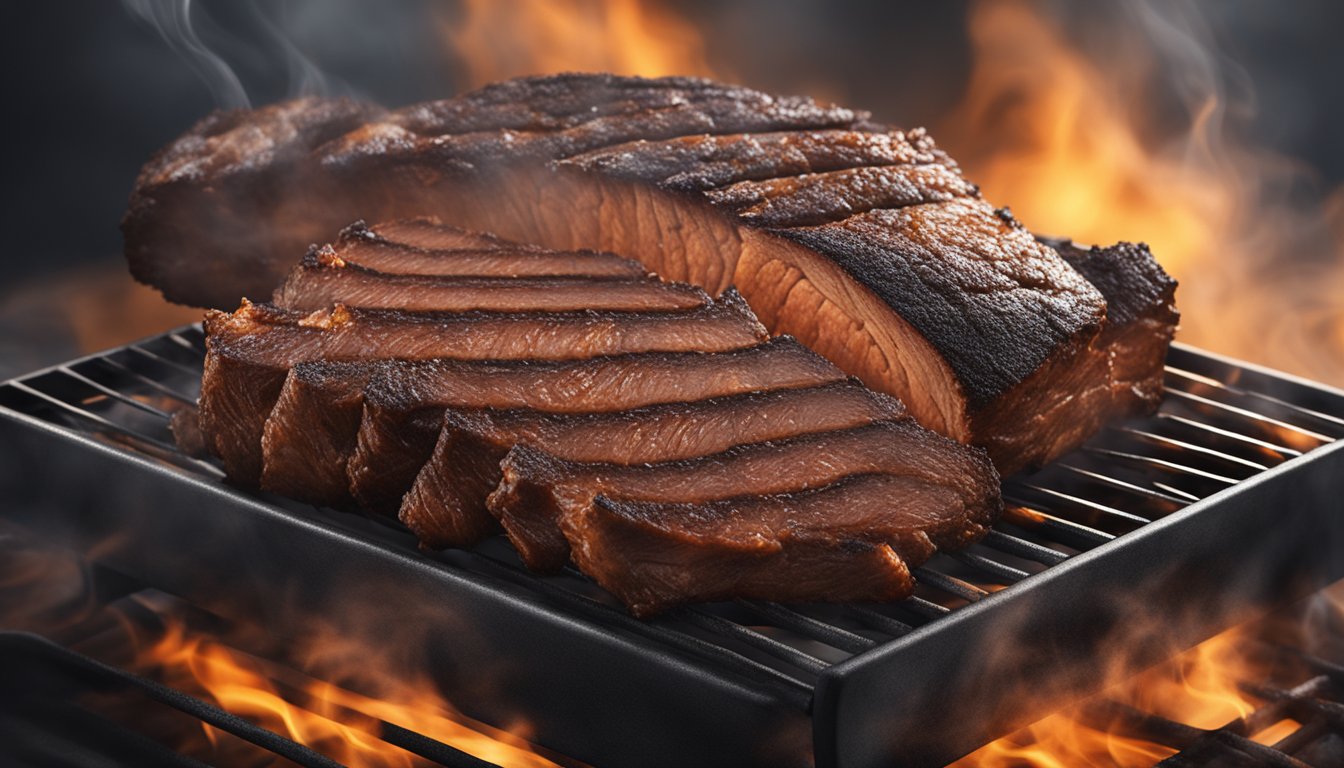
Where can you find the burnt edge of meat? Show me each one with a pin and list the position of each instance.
(1141, 317)
(1134, 283)
(993, 333)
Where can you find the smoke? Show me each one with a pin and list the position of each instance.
(1131, 122)
(258, 38)
(172, 20)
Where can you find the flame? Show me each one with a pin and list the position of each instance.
(332, 720)
(1060, 137)
(1198, 688)
(499, 39)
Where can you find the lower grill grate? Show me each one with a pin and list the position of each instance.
(1220, 425)
(1282, 675)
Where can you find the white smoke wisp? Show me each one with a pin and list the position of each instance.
(172, 20)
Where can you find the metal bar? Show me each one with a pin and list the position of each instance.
(1185, 446)
(1005, 573)
(879, 621)
(1170, 466)
(783, 651)
(1121, 485)
(949, 584)
(1085, 503)
(1310, 413)
(788, 618)
(1022, 548)
(1061, 530)
(1283, 450)
(161, 359)
(115, 395)
(1251, 415)
(93, 417)
(151, 383)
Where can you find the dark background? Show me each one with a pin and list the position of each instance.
(91, 91)
(93, 88)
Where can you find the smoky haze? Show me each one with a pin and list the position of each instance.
(95, 87)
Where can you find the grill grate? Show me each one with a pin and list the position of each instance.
(1221, 424)
(1278, 679)
(1208, 435)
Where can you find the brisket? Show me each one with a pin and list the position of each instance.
(250, 351)
(809, 546)
(538, 489)
(404, 410)
(323, 279)
(485, 260)
(1141, 318)
(447, 504)
(863, 242)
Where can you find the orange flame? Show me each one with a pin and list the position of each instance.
(1199, 688)
(498, 39)
(336, 722)
(1056, 135)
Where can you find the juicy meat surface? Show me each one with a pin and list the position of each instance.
(447, 504)
(427, 233)
(864, 242)
(538, 489)
(323, 279)
(814, 545)
(249, 352)
(404, 404)
(487, 256)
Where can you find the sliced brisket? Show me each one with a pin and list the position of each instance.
(250, 351)
(323, 279)
(828, 544)
(538, 489)
(404, 404)
(492, 260)
(447, 504)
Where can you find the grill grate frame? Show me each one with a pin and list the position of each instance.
(1221, 425)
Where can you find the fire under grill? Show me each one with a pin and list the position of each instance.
(1225, 501)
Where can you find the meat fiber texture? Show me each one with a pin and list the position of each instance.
(417, 401)
(864, 242)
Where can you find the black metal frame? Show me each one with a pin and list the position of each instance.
(1226, 501)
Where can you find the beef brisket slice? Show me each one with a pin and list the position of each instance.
(404, 404)
(863, 242)
(486, 256)
(810, 546)
(538, 489)
(447, 504)
(323, 279)
(250, 351)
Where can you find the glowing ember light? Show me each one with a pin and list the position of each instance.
(499, 39)
(1198, 688)
(339, 723)
(1058, 135)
